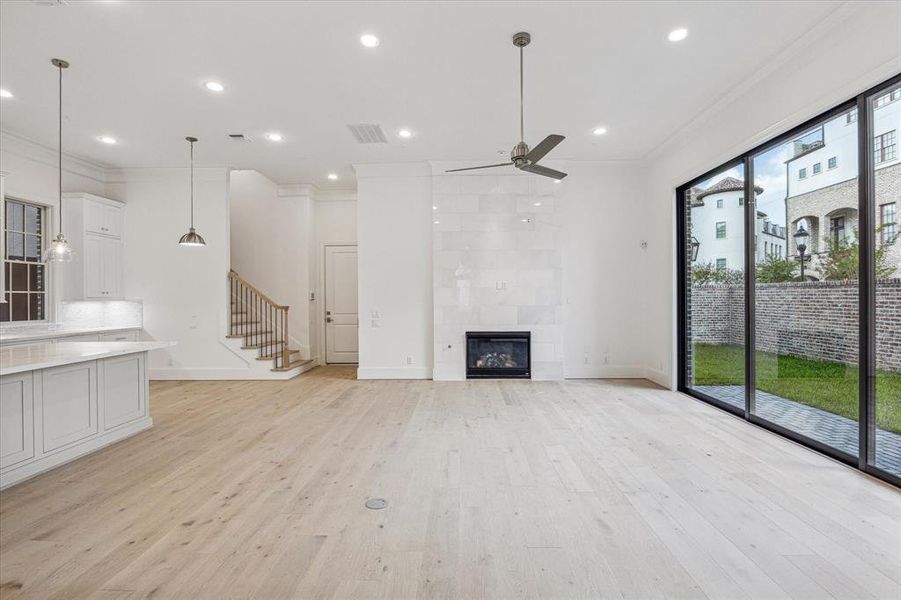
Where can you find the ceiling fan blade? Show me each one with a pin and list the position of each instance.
(539, 170)
(506, 164)
(546, 145)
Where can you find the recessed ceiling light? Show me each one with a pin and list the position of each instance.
(6, 94)
(106, 139)
(677, 35)
(274, 137)
(436, 222)
(214, 86)
(405, 133)
(369, 40)
(539, 203)
(333, 176)
(599, 130)
(557, 181)
(434, 208)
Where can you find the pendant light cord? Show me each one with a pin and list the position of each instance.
(192, 185)
(60, 199)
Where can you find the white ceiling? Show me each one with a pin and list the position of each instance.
(446, 70)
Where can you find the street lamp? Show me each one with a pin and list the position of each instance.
(801, 242)
(695, 244)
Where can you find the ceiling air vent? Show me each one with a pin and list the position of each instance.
(368, 134)
(50, 2)
(239, 137)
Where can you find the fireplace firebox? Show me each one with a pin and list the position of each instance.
(498, 354)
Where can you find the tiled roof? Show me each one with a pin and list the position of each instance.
(727, 184)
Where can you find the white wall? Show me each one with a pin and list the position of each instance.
(394, 232)
(841, 57)
(603, 262)
(271, 243)
(601, 214)
(183, 289)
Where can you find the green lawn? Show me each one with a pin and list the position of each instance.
(826, 385)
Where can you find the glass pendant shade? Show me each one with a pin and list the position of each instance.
(59, 250)
(192, 238)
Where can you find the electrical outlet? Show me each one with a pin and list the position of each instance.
(409, 360)
(374, 323)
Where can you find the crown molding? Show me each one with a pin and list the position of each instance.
(291, 190)
(150, 174)
(769, 66)
(24, 147)
(335, 195)
(407, 169)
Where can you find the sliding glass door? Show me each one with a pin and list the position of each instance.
(884, 110)
(714, 211)
(806, 283)
(790, 283)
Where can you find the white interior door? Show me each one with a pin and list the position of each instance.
(341, 318)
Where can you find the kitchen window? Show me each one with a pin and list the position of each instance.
(24, 274)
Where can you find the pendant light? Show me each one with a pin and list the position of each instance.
(59, 250)
(192, 238)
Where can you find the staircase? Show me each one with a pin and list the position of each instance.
(259, 327)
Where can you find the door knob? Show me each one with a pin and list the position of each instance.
(328, 319)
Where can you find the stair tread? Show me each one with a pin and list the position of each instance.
(274, 356)
(294, 365)
(255, 346)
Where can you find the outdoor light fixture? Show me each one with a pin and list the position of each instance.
(695, 244)
(59, 250)
(192, 238)
(801, 236)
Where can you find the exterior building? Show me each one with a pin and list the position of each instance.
(717, 223)
(822, 181)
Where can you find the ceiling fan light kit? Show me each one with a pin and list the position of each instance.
(522, 157)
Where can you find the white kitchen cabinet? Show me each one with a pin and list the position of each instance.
(102, 218)
(94, 226)
(123, 390)
(121, 336)
(102, 267)
(69, 403)
(16, 419)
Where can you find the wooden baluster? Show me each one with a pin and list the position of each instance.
(285, 350)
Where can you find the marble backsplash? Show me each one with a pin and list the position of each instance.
(107, 313)
(497, 264)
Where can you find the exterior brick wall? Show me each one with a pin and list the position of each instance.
(814, 319)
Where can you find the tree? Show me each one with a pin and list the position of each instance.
(776, 270)
(842, 258)
(707, 273)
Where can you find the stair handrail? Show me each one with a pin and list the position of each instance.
(232, 274)
(272, 315)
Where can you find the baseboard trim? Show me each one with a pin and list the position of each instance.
(17, 474)
(394, 373)
(218, 374)
(604, 372)
(659, 377)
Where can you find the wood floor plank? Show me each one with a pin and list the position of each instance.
(495, 489)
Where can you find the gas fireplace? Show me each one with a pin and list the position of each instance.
(498, 354)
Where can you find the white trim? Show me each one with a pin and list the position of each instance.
(202, 374)
(409, 169)
(605, 372)
(24, 147)
(295, 189)
(660, 378)
(58, 459)
(394, 373)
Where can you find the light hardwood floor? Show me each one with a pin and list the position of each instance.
(590, 489)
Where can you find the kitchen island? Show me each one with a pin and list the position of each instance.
(64, 400)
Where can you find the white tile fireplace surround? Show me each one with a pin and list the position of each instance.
(497, 265)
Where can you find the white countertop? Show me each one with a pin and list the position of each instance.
(44, 333)
(29, 357)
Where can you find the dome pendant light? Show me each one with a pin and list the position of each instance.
(192, 238)
(59, 250)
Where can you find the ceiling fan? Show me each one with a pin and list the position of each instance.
(522, 157)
